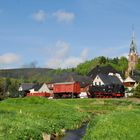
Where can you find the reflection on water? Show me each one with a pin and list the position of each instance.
(74, 134)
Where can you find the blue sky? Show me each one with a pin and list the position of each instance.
(64, 33)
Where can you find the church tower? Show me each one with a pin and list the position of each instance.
(133, 55)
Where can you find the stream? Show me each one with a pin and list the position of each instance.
(77, 134)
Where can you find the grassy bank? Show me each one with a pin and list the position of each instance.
(123, 123)
(29, 118)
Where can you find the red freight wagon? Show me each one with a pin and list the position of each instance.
(66, 89)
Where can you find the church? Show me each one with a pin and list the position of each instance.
(133, 56)
(132, 75)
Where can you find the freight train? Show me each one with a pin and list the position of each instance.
(107, 91)
(73, 90)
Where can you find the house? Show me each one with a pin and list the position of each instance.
(40, 90)
(129, 83)
(105, 79)
(25, 87)
(107, 70)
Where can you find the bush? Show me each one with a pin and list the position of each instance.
(137, 92)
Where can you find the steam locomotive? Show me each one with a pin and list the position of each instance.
(107, 91)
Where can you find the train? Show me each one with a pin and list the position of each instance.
(66, 90)
(73, 90)
(107, 91)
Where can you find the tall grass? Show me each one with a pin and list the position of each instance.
(29, 118)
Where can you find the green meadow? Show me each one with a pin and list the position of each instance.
(30, 118)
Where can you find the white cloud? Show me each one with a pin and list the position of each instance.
(63, 16)
(60, 56)
(40, 16)
(9, 58)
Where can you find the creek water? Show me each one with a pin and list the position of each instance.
(77, 134)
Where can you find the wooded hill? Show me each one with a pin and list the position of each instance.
(46, 75)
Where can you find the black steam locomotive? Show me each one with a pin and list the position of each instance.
(107, 91)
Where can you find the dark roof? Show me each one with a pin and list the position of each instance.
(27, 86)
(72, 77)
(109, 79)
(36, 87)
(104, 70)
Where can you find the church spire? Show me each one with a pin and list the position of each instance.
(133, 46)
(133, 54)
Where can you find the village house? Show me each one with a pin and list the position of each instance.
(36, 89)
(104, 79)
(24, 88)
(130, 83)
(105, 70)
(40, 90)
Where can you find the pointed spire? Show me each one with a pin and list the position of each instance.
(133, 32)
(133, 46)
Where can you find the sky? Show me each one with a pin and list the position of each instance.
(64, 33)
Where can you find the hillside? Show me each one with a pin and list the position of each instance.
(25, 73)
(46, 74)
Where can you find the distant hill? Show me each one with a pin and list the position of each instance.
(48, 75)
(24, 72)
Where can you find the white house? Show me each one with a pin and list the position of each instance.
(105, 79)
(41, 88)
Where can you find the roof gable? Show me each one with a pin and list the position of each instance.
(109, 79)
(26, 86)
(129, 79)
(104, 70)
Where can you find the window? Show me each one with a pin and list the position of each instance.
(99, 83)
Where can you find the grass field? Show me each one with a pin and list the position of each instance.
(109, 119)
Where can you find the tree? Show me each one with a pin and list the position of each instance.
(13, 88)
(123, 64)
(2, 89)
(115, 60)
(137, 91)
(138, 64)
(102, 60)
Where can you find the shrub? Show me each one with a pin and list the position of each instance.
(137, 92)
